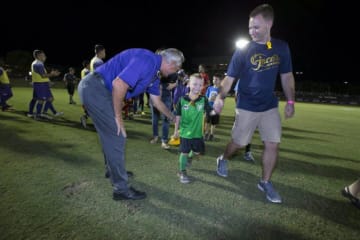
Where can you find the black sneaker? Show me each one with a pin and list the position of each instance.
(131, 194)
(129, 173)
(206, 138)
(211, 137)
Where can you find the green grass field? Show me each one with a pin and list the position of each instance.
(52, 183)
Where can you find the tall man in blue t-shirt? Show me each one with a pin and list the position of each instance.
(103, 92)
(258, 65)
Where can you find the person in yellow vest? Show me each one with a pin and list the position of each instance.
(95, 62)
(5, 88)
(99, 57)
(86, 68)
(41, 85)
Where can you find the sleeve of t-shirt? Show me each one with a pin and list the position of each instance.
(38, 68)
(234, 67)
(132, 72)
(207, 94)
(178, 108)
(154, 89)
(285, 60)
(98, 64)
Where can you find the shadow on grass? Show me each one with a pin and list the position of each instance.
(207, 222)
(284, 129)
(43, 148)
(289, 165)
(317, 156)
(62, 121)
(296, 198)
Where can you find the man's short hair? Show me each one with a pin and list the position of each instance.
(37, 52)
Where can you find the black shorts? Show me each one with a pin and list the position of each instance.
(213, 119)
(197, 145)
(70, 88)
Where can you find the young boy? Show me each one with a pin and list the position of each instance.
(212, 119)
(70, 81)
(189, 120)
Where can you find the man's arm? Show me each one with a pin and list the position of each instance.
(156, 101)
(288, 86)
(118, 96)
(53, 73)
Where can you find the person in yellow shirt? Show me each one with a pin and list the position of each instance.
(41, 86)
(5, 88)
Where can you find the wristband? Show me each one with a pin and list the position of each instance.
(291, 102)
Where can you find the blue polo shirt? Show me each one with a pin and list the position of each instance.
(258, 69)
(137, 67)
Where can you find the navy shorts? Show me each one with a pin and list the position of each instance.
(197, 145)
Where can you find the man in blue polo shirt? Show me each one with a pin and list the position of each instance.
(103, 92)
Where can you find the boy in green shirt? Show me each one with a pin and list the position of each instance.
(190, 111)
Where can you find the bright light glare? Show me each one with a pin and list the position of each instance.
(241, 43)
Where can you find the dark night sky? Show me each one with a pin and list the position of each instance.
(68, 33)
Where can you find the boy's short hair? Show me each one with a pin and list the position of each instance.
(218, 75)
(99, 48)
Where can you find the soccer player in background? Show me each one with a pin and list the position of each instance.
(96, 61)
(41, 87)
(5, 88)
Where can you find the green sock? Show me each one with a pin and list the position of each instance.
(191, 153)
(182, 162)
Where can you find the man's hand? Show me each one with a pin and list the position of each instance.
(120, 126)
(55, 73)
(289, 110)
(218, 105)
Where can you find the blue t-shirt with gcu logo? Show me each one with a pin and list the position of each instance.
(258, 68)
(137, 67)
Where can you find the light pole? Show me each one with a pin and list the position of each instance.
(241, 43)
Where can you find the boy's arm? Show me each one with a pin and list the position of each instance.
(177, 119)
(208, 108)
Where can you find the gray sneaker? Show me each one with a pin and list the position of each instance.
(221, 166)
(45, 116)
(58, 114)
(249, 157)
(83, 121)
(165, 146)
(271, 194)
(154, 140)
(183, 177)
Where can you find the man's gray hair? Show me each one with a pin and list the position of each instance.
(173, 55)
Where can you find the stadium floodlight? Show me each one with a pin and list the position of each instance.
(241, 43)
